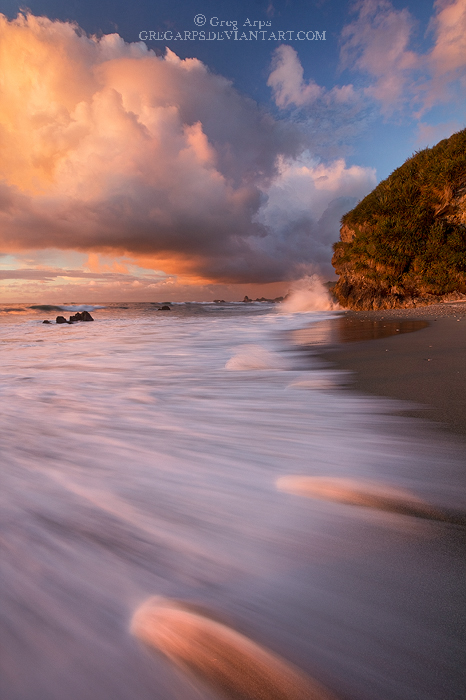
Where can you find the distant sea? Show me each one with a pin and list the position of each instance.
(140, 455)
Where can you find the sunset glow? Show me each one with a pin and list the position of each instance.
(156, 162)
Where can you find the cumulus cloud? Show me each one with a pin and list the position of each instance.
(108, 148)
(289, 88)
(286, 80)
(305, 205)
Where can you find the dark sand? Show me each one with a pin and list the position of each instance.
(424, 365)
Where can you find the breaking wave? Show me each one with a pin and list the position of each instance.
(309, 294)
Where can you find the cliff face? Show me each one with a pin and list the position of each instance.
(405, 243)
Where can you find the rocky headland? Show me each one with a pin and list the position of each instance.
(404, 245)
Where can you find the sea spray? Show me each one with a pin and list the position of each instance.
(308, 294)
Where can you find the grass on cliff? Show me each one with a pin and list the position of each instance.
(401, 238)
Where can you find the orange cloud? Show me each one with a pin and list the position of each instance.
(110, 149)
(94, 264)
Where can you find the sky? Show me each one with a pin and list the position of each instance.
(153, 151)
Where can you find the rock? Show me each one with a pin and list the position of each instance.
(61, 319)
(164, 308)
(219, 301)
(48, 321)
(247, 300)
(81, 316)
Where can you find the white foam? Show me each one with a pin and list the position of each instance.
(308, 294)
(251, 357)
(79, 307)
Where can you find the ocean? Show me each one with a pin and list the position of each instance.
(144, 455)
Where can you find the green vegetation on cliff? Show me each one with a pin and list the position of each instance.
(405, 243)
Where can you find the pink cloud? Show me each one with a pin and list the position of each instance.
(377, 44)
(429, 135)
(112, 149)
(286, 80)
(449, 53)
(447, 60)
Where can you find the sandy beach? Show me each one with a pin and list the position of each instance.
(426, 366)
(191, 479)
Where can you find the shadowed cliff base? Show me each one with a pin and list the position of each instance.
(404, 245)
(426, 367)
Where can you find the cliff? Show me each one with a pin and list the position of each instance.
(405, 243)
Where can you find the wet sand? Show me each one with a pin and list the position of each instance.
(421, 359)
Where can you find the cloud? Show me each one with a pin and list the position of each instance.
(449, 53)
(111, 149)
(330, 118)
(304, 208)
(286, 80)
(51, 274)
(447, 59)
(377, 44)
(429, 135)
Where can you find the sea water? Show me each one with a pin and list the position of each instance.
(140, 456)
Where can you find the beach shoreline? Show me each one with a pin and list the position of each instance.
(426, 367)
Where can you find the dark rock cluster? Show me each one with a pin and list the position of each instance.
(277, 300)
(80, 316)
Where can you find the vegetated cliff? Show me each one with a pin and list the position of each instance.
(405, 243)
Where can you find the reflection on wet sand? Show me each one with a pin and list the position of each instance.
(135, 462)
(227, 661)
(345, 329)
(366, 493)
